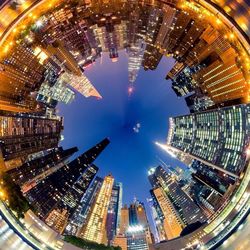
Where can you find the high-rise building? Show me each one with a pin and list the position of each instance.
(135, 56)
(113, 216)
(152, 55)
(124, 220)
(172, 222)
(134, 232)
(212, 178)
(81, 213)
(158, 218)
(81, 84)
(186, 208)
(223, 80)
(136, 240)
(74, 194)
(198, 103)
(183, 84)
(22, 135)
(180, 25)
(21, 73)
(165, 29)
(57, 219)
(33, 171)
(217, 138)
(143, 221)
(74, 177)
(59, 92)
(121, 241)
(62, 57)
(95, 228)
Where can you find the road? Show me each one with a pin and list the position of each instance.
(240, 240)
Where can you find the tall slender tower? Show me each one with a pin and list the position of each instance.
(114, 212)
(172, 222)
(31, 172)
(95, 229)
(82, 212)
(74, 177)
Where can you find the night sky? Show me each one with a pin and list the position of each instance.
(130, 154)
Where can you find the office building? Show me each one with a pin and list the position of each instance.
(22, 135)
(75, 177)
(95, 228)
(81, 84)
(185, 207)
(21, 74)
(218, 138)
(82, 212)
(35, 170)
(172, 222)
(113, 216)
(59, 92)
(72, 197)
(57, 219)
(223, 80)
(124, 220)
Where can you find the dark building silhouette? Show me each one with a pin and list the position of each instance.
(66, 186)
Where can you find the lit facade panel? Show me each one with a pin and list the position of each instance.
(186, 209)
(58, 92)
(218, 137)
(22, 135)
(172, 223)
(114, 211)
(81, 84)
(95, 229)
(81, 213)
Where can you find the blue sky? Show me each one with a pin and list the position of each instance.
(129, 155)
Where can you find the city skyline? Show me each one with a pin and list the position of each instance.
(117, 126)
(124, 124)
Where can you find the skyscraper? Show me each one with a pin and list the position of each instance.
(95, 228)
(62, 57)
(124, 220)
(135, 56)
(81, 84)
(134, 232)
(74, 194)
(217, 138)
(185, 207)
(158, 218)
(58, 92)
(57, 219)
(113, 216)
(82, 212)
(21, 73)
(22, 135)
(223, 80)
(74, 177)
(172, 222)
(37, 169)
